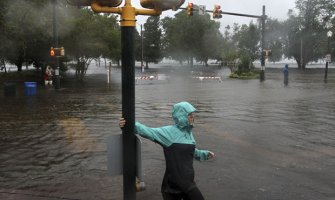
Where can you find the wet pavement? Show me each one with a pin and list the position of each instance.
(272, 141)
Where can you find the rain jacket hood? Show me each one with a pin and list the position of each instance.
(180, 112)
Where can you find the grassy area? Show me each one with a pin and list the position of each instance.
(29, 75)
(246, 75)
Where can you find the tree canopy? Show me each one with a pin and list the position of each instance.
(196, 37)
(27, 35)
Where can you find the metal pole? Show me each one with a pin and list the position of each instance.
(128, 24)
(142, 48)
(55, 43)
(301, 58)
(128, 112)
(262, 73)
(326, 70)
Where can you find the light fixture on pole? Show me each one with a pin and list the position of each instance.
(301, 46)
(328, 56)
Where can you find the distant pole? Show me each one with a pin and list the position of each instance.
(326, 71)
(262, 73)
(301, 57)
(142, 66)
(328, 56)
(55, 43)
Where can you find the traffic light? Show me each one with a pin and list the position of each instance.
(52, 52)
(217, 12)
(62, 51)
(267, 53)
(57, 52)
(162, 5)
(190, 9)
(109, 3)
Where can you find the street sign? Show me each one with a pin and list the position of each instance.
(202, 10)
(328, 58)
(114, 156)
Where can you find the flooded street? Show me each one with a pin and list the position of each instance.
(272, 141)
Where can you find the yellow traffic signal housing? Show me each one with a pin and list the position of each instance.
(57, 52)
(190, 9)
(217, 12)
(267, 53)
(109, 3)
(162, 4)
(61, 51)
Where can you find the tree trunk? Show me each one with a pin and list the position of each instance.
(191, 61)
(19, 67)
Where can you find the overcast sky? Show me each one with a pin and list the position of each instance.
(273, 8)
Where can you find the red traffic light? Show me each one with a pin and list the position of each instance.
(217, 12)
(57, 52)
(190, 9)
(52, 52)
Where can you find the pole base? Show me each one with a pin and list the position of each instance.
(262, 76)
(57, 82)
(140, 185)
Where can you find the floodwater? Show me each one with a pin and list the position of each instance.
(271, 140)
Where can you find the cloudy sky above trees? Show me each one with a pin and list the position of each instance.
(274, 9)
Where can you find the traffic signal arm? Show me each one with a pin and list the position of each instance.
(96, 7)
(148, 12)
(128, 12)
(162, 5)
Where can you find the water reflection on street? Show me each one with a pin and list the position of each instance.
(272, 141)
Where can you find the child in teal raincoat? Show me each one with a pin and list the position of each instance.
(179, 150)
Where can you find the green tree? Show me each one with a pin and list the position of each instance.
(173, 45)
(274, 38)
(304, 33)
(138, 46)
(229, 54)
(25, 35)
(28, 33)
(187, 38)
(152, 40)
(247, 41)
(212, 40)
(109, 32)
(92, 36)
(3, 43)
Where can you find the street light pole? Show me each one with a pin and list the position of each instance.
(128, 22)
(301, 57)
(262, 73)
(142, 66)
(55, 43)
(301, 47)
(328, 57)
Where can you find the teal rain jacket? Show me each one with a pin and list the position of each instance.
(179, 149)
